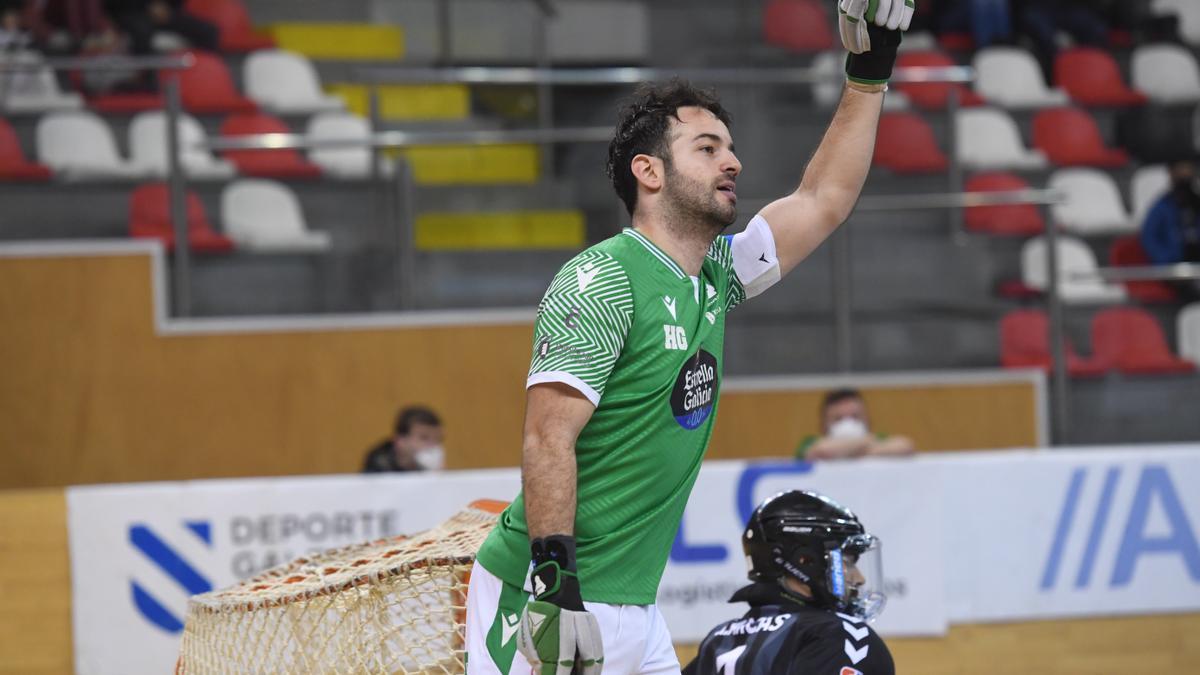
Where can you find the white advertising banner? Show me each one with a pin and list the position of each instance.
(973, 537)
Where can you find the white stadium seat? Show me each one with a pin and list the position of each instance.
(285, 82)
(1010, 77)
(1148, 184)
(1188, 325)
(80, 146)
(1093, 205)
(1189, 16)
(148, 147)
(1075, 262)
(265, 216)
(34, 90)
(988, 138)
(1167, 73)
(342, 162)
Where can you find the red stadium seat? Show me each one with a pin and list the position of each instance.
(1127, 252)
(283, 163)
(956, 42)
(207, 87)
(1130, 339)
(232, 19)
(797, 25)
(150, 217)
(1022, 220)
(1070, 137)
(905, 144)
(932, 95)
(125, 104)
(13, 164)
(1025, 343)
(1091, 76)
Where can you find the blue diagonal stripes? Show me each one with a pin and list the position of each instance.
(165, 557)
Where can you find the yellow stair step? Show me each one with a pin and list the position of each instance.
(407, 102)
(340, 41)
(497, 231)
(474, 164)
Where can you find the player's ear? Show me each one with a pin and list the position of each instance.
(648, 171)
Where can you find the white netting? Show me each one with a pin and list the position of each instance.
(389, 606)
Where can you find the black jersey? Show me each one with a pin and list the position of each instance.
(781, 636)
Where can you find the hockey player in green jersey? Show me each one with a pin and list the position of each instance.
(626, 368)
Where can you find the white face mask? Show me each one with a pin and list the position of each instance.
(432, 458)
(848, 427)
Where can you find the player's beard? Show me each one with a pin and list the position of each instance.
(694, 207)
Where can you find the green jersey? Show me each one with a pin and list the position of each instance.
(624, 325)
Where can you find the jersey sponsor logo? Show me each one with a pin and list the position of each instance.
(765, 624)
(847, 670)
(585, 274)
(670, 303)
(695, 390)
(676, 338)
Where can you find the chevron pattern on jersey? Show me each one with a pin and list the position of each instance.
(721, 253)
(583, 320)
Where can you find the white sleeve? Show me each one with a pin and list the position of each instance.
(754, 258)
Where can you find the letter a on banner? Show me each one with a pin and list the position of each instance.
(1181, 539)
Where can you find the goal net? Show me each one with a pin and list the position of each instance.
(395, 605)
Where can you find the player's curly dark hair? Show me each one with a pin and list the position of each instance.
(642, 129)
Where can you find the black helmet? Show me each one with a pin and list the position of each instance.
(817, 541)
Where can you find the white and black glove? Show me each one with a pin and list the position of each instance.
(557, 634)
(871, 31)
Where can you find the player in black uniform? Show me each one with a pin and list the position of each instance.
(815, 572)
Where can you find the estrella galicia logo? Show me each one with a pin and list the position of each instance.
(169, 561)
(695, 390)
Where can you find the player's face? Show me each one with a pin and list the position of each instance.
(700, 181)
(854, 577)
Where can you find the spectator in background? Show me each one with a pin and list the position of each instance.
(1042, 20)
(72, 26)
(139, 20)
(13, 31)
(988, 21)
(846, 432)
(415, 445)
(1171, 232)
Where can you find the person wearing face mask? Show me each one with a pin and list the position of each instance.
(846, 433)
(1171, 231)
(416, 444)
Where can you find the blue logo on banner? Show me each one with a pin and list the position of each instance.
(168, 559)
(1154, 486)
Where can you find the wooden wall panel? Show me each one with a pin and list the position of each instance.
(91, 393)
(35, 583)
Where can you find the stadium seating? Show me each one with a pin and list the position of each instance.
(33, 90)
(341, 162)
(80, 146)
(286, 83)
(932, 95)
(233, 21)
(207, 88)
(797, 25)
(1188, 12)
(1148, 184)
(1021, 220)
(1010, 77)
(1156, 133)
(989, 139)
(148, 147)
(1188, 332)
(1070, 137)
(341, 41)
(281, 163)
(13, 164)
(1077, 283)
(905, 144)
(1128, 252)
(126, 103)
(1025, 343)
(265, 216)
(1167, 73)
(150, 217)
(1093, 205)
(1092, 77)
(1130, 340)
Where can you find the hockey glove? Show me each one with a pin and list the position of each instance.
(557, 634)
(871, 32)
